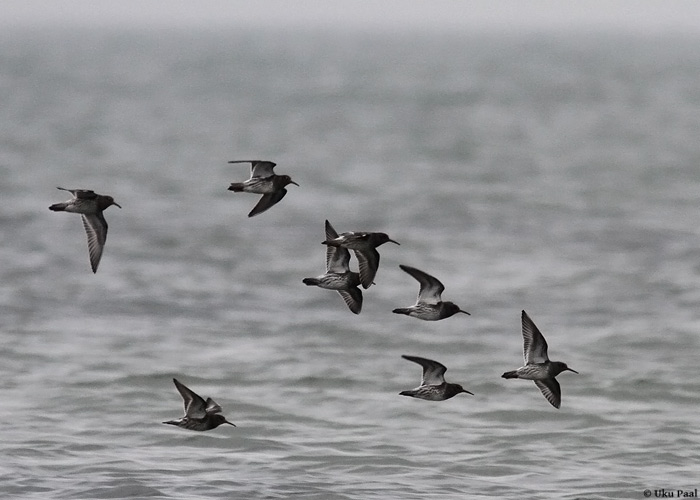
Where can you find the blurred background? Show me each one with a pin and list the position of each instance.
(531, 155)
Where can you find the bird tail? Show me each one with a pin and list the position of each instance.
(58, 207)
(402, 310)
(513, 374)
(236, 186)
(310, 281)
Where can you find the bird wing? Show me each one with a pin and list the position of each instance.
(266, 201)
(353, 298)
(212, 407)
(337, 258)
(534, 345)
(96, 229)
(550, 389)
(331, 233)
(431, 288)
(433, 372)
(262, 169)
(258, 168)
(368, 261)
(195, 407)
(82, 194)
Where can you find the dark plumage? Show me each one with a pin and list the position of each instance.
(263, 180)
(365, 247)
(90, 206)
(537, 366)
(432, 386)
(199, 415)
(338, 275)
(429, 305)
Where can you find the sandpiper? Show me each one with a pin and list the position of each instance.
(429, 305)
(365, 247)
(90, 206)
(338, 275)
(263, 180)
(199, 415)
(537, 366)
(433, 386)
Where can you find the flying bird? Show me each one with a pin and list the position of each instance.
(199, 415)
(432, 385)
(90, 206)
(264, 181)
(537, 366)
(338, 275)
(429, 305)
(365, 247)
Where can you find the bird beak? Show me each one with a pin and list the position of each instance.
(117, 204)
(292, 182)
(395, 242)
(464, 390)
(572, 371)
(229, 423)
(465, 312)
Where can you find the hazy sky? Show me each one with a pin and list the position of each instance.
(637, 15)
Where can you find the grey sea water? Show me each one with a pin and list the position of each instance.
(553, 173)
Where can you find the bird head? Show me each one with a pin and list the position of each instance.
(451, 308)
(109, 201)
(381, 238)
(217, 420)
(285, 179)
(561, 367)
(458, 389)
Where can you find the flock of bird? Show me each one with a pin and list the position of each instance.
(202, 415)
